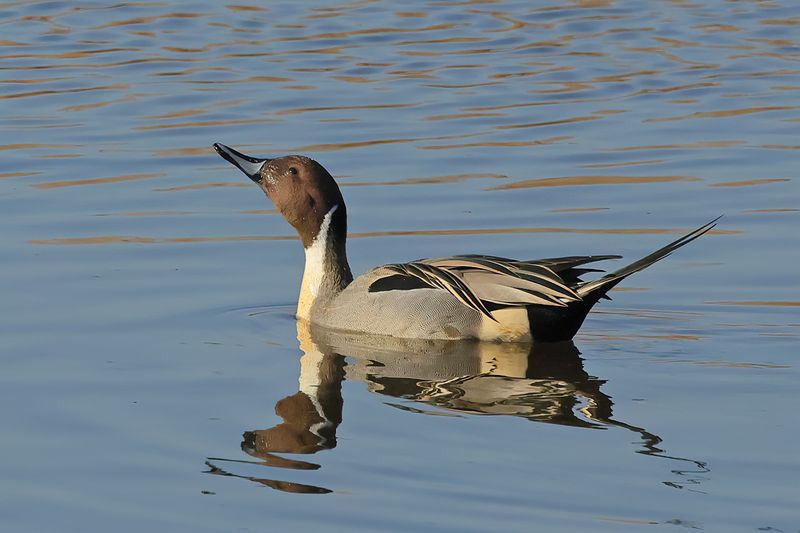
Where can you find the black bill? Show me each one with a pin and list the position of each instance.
(249, 165)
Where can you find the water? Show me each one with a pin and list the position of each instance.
(148, 288)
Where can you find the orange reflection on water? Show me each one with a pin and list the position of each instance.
(200, 186)
(241, 7)
(496, 231)
(489, 144)
(725, 113)
(694, 145)
(329, 147)
(570, 120)
(749, 183)
(178, 114)
(299, 110)
(366, 31)
(203, 124)
(115, 86)
(96, 181)
(456, 116)
(453, 178)
(590, 180)
(29, 146)
(146, 20)
(189, 151)
(675, 88)
(781, 146)
(4, 175)
(134, 239)
(624, 163)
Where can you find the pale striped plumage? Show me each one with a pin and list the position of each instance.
(481, 280)
(484, 282)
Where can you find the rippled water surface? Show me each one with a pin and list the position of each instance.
(152, 375)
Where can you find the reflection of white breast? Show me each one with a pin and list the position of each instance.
(434, 360)
(470, 376)
(309, 383)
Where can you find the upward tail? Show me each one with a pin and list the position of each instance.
(593, 290)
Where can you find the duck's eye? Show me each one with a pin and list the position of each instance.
(292, 170)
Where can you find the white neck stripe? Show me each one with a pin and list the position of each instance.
(323, 229)
(315, 255)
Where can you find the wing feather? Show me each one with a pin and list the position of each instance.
(441, 278)
(478, 280)
(540, 277)
(508, 291)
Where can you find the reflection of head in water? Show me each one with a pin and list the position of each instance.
(543, 382)
(310, 416)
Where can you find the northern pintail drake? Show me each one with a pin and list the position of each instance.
(459, 297)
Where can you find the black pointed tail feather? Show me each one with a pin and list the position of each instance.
(594, 290)
(551, 324)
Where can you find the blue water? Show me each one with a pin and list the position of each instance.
(147, 287)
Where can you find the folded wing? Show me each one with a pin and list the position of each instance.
(482, 282)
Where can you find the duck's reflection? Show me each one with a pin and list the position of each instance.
(310, 416)
(543, 383)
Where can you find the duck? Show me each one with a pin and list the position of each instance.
(479, 297)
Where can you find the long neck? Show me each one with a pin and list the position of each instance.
(327, 271)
